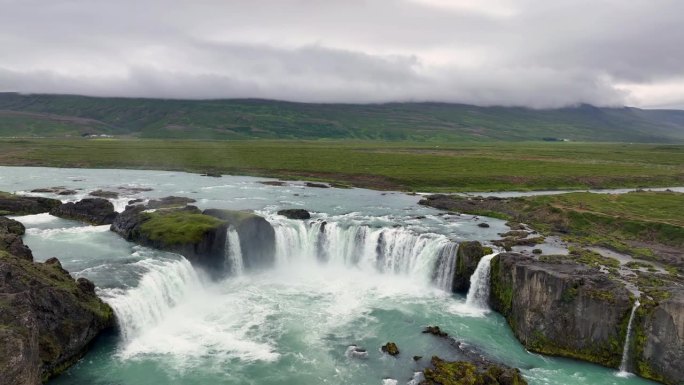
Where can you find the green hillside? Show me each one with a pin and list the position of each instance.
(63, 115)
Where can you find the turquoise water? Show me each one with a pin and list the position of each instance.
(294, 323)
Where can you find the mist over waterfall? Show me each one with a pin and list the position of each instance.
(164, 284)
(394, 250)
(478, 294)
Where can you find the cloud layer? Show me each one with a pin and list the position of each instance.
(496, 52)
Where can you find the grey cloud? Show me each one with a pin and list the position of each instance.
(542, 54)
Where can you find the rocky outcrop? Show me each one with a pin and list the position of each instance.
(47, 319)
(96, 211)
(10, 239)
(104, 194)
(257, 236)
(468, 256)
(169, 202)
(11, 204)
(198, 237)
(562, 308)
(443, 372)
(659, 339)
(295, 214)
(390, 348)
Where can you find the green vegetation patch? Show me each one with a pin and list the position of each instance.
(175, 227)
(405, 166)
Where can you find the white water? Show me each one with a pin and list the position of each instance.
(388, 250)
(164, 284)
(478, 294)
(234, 252)
(624, 364)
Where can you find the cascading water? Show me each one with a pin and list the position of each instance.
(234, 262)
(164, 284)
(478, 294)
(384, 249)
(446, 264)
(624, 364)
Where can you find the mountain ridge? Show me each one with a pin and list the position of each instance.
(48, 115)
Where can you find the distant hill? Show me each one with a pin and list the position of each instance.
(65, 115)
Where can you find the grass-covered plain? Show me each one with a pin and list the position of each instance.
(407, 166)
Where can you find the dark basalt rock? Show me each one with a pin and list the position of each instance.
(47, 319)
(66, 192)
(169, 202)
(483, 225)
(659, 339)
(257, 236)
(11, 204)
(186, 231)
(435, 331)
(295, 214)
(10, 238)
(96, 211)
(317, 185)
(390, 348)
(468, 256)
(561, 308)
(104, 194)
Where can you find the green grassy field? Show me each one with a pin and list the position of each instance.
(406, 166)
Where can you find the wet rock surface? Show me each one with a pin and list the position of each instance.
(11, 204)
(96, 211)
(295, 214)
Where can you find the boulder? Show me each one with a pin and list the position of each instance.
(561, 308)
(467, 257)
(295, 214)
(96, 211)
(390, 348)
(257, 236)
(10, 239)
(11, 204)
(199, 238)
(47, 320)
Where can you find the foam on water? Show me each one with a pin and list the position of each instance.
(67, 230)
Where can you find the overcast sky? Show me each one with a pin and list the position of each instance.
(545, 53)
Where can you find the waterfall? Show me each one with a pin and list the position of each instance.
(163, 284)
(234, 262)
(386, 249)
(625, 350)
(446, 264)
(478, 294)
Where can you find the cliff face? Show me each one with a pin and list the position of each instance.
(467, 258)
(563, 309)
(200, 238)
(659, 339)
(47, 319)
(257, 236)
